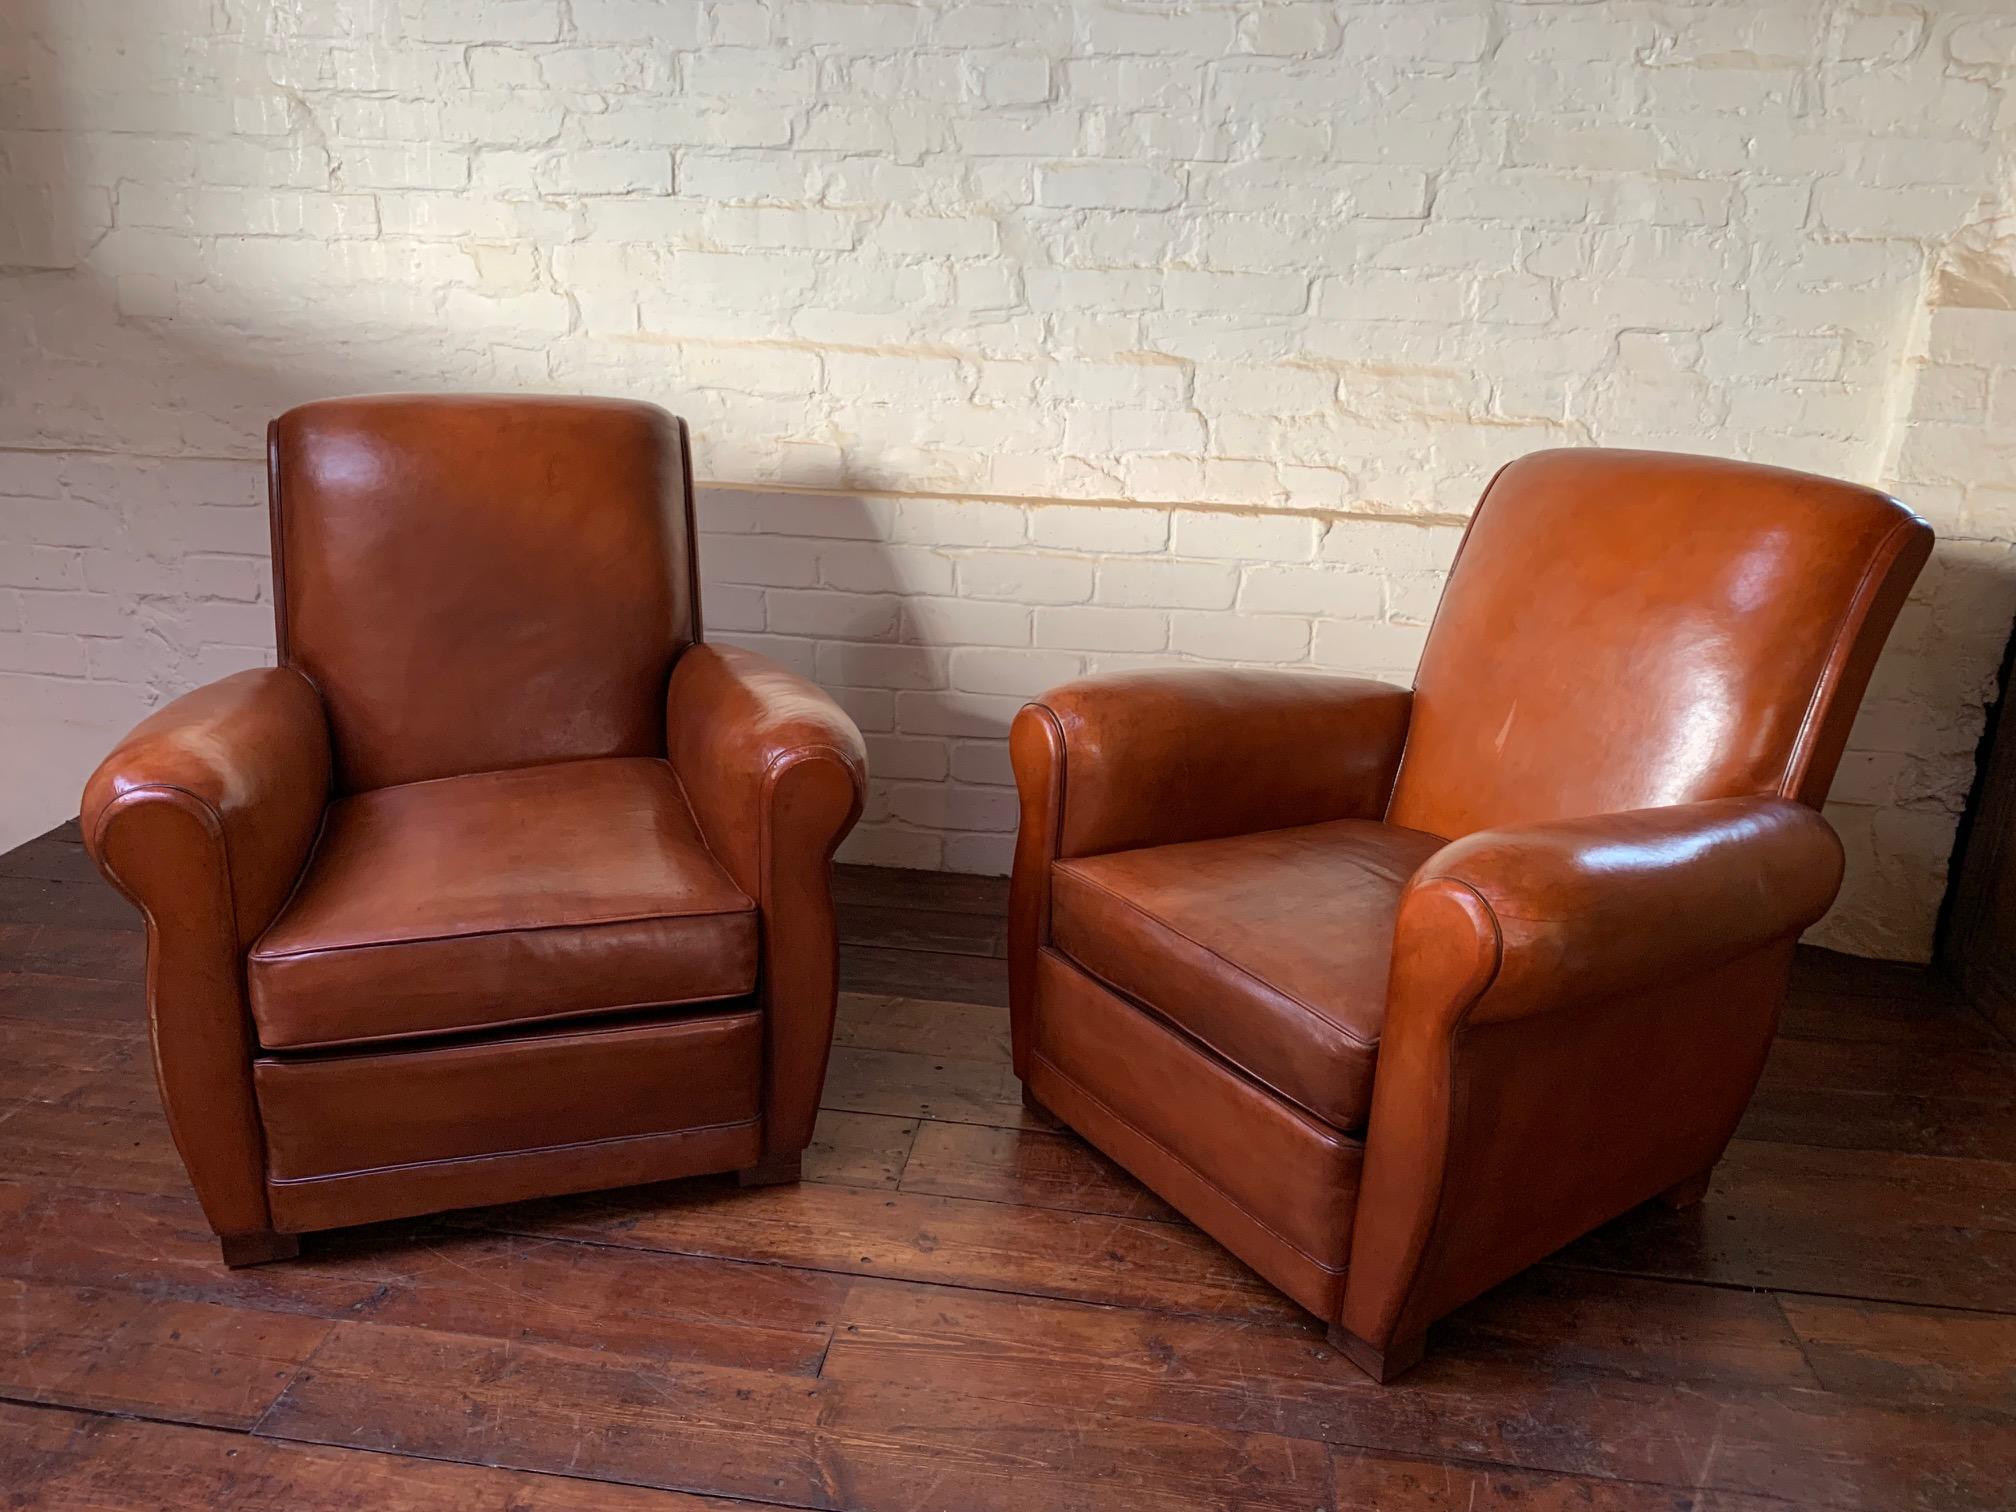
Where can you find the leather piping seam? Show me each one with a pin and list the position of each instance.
(1233, 966)
(1127, 1123)
(1058, 794)
(1060, 769)
(539, 764)
(1059, 775)
(1414, 684)
(1851, 622)
(1046, 924)
(775, 1024)
(213, 822)
(293, 892)
(694, 626)
(307, 1055)
(809, 751)
(275, 531)
(613, 921)
(686, 798)
(1458, 1105)
(1324, 1127)
(774, 772)
(1695, 962)
(553, 1149)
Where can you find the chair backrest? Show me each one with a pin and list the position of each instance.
(1625, 629)
(477, 582)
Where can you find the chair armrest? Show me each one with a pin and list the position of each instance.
(205, 816)
(1576, 909)
(244, 763)
(776, 776)
(1577, 1015)
(1152, 758)
(739, 729)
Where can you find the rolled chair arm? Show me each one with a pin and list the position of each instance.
(247, 761)
(205, 816)
(1577, 1014)
(1578, 909)
(1153, 758)
(776, 775)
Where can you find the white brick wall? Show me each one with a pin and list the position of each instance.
(1097, 334)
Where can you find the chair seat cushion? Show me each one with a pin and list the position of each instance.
(501, 898)
(1272, 949)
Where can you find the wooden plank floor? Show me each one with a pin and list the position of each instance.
(965, 1309)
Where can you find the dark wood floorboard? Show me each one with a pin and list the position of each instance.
(927, 974)
(965, 1308)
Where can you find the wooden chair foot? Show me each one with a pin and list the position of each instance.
(772, 1170)
(1383, 1365)
(1685, 1194)
(241, 1250)
(1029, 1101)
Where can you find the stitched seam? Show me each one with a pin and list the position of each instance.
(696, 624)
(1219, 1058)
(1060, 774)
(308, 1055)
(1851, 620)
(812, 750)
(276, 529)
(300, 876)
(766, 939)
(1062, 769)
(1356, 1039)
(679, 784)
(308, 1052)
(308, 951)
(179, 1118)
(458, 1160)
(1414, 687)
(1122, 1119)
(1457, 1106)
(543, 765)
(212, 820)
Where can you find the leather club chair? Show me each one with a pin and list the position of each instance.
(502, 883)
(1393, 993)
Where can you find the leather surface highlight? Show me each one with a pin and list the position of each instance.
(477, 582)
(502, 898)
(1631, 705)
(449, 818)
(499, 1096)
(1292, 1178)
(1627, 629)
(1271, 949)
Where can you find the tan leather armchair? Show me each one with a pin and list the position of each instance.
(503, 883)
(1393, 992)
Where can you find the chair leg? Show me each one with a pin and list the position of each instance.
(772, 1170)
(241, 1250)
(1383, 1365)
(1684, 1194)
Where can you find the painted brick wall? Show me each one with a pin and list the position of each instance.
(1024, 339)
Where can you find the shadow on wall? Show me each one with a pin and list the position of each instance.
(132, 480)
(143, 532)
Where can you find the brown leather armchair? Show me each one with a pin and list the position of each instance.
(502, 884)
(1394, 993)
